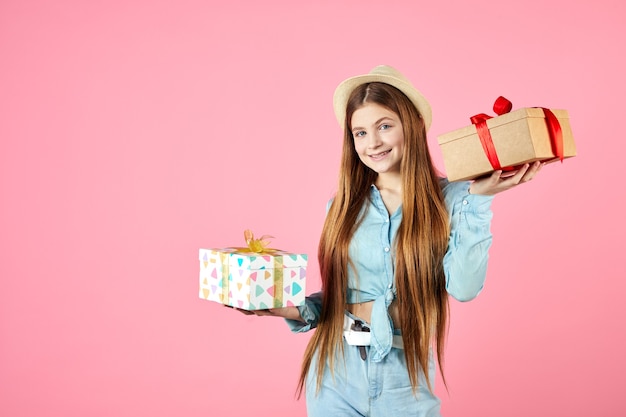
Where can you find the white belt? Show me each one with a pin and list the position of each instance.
(361, 338)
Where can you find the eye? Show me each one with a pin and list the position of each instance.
(359, 133)
(384, 127)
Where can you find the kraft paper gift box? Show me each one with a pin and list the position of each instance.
(518, 137)
(240, 278)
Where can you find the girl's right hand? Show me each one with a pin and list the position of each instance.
(290, 313)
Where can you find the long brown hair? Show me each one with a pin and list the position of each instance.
(421, 243)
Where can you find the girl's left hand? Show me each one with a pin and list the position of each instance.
(497, 183)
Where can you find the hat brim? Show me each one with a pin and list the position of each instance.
(343, 91)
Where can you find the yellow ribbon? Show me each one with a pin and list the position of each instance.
(225, 296)
(260, 246)
(278, 281)
(257, 245)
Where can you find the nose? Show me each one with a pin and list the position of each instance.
(373, 140)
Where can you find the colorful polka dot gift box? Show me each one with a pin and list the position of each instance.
(254, 277)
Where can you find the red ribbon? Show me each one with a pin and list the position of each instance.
(502, 106)
(555, 132)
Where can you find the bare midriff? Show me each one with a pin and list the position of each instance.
(364, 311)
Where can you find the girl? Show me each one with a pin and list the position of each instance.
(396, 241)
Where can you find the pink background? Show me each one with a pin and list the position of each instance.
(135, 132)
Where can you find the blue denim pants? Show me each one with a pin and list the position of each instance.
(364, 388)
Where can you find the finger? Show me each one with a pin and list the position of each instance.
(537, 167)
(515, 179)
(532, 171)
(265, 312)
(495, 177)
(246, 312)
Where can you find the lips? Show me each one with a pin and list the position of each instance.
(379, 155)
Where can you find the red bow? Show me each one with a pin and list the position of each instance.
(502, 106)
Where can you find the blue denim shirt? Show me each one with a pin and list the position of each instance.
(372, 252)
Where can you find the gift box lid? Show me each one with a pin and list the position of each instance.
(254, 260)
(243, 258)
(206, 254)
(523, 113)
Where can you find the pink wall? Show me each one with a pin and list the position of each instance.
(134, 132)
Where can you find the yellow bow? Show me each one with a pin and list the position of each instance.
(257, 245)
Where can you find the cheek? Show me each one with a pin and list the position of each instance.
(399, 141)
(361, 153)
(358, 147)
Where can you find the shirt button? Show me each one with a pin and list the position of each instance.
(465, 202)
(386, 249)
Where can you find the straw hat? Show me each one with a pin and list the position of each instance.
(383, 74)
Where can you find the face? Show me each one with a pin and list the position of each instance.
(378, 138)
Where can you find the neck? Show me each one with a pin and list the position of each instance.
(389, 181)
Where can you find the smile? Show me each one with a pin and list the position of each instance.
(381, 155)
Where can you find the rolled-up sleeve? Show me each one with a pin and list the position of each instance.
(310, 313)
(465, 262)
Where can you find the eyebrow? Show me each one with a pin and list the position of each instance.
(375, 123)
